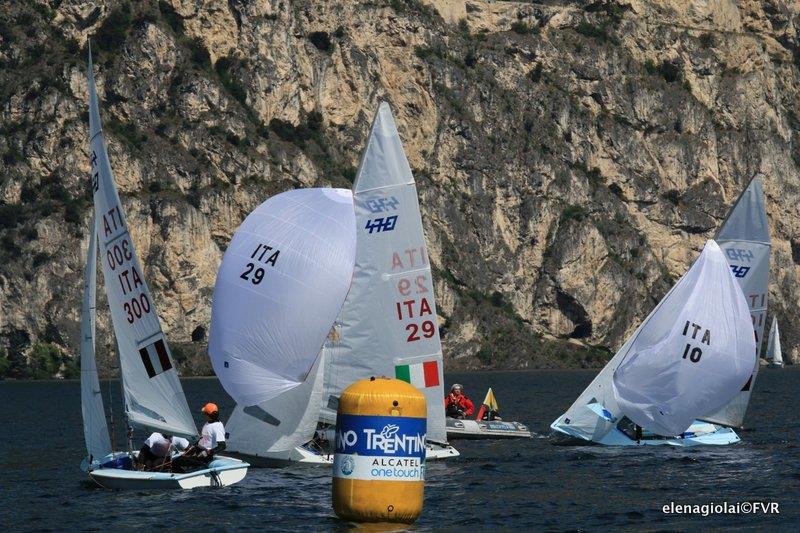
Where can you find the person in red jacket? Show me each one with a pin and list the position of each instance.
(456, 404)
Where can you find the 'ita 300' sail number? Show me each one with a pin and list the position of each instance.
(119, 258)
(263, 254)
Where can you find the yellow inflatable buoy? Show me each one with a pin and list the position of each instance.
(379, 460)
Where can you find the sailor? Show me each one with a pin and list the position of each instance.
(456, 404)
(212, 441)
(157, 449)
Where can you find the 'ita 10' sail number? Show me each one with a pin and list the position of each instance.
(266, 255)
(694, 353)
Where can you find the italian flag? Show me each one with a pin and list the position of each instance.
(420, 375)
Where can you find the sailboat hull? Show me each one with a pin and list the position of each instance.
(698, 434)
(303, 455)
(482, 429)
(222, 472)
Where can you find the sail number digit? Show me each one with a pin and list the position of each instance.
(694, 353)
(404, 286)
(260, 255)
(136, 308)
(428, 329)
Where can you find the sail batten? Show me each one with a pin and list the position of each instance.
(153, 395)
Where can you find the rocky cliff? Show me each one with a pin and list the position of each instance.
(571, 157)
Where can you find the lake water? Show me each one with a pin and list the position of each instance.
(494, 484)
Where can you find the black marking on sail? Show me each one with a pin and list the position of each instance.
(333, 402)
(747, 385)
(155, 358)
(257, 412)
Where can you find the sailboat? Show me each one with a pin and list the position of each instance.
(774, 354)
(387, 324)
(282, 283)
(152, 393)
(487, 425)
(693, 352)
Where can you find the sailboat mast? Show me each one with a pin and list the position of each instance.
(111, 416)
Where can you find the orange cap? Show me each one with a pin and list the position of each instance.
(210, 408)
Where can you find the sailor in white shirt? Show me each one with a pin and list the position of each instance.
(212, 441)
(158, 448)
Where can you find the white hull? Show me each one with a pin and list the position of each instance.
(483, 429)
(698, 434)
(222, 472)
(298, 455)
(303, 456)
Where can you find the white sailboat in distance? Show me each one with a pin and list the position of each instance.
(692, 353)
(152, 393)
(774, 353)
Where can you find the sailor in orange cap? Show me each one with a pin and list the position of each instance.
(212, 441)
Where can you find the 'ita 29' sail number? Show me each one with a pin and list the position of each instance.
(266, 255)
(694, 353)
(412, 306)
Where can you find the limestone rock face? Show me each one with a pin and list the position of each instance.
(571, 158)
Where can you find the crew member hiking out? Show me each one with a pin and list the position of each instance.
(155, 454)
(212, 441)
(456, 404)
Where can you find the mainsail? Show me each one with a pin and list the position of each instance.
(95, 430)
(389, 317)
(774, 354)
(152, 391)
(281, 284)
(744, 237)
(696, 351)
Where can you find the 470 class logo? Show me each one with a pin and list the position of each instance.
(381, 204)
(381, 224)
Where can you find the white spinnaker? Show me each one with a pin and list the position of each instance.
(281, 284)
(695, 353)
(95, 429)
(774, 353)
(390, 312)
(744, 237)
(153, 395)
(275, 427)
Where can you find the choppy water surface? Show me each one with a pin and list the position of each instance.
(494, 484)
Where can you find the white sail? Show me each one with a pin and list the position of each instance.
(389, 317)
(95, 429)
(152, 391)
(694, 353)
(282, 282)
(744, 237)
(275, 427)
(774, 354)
